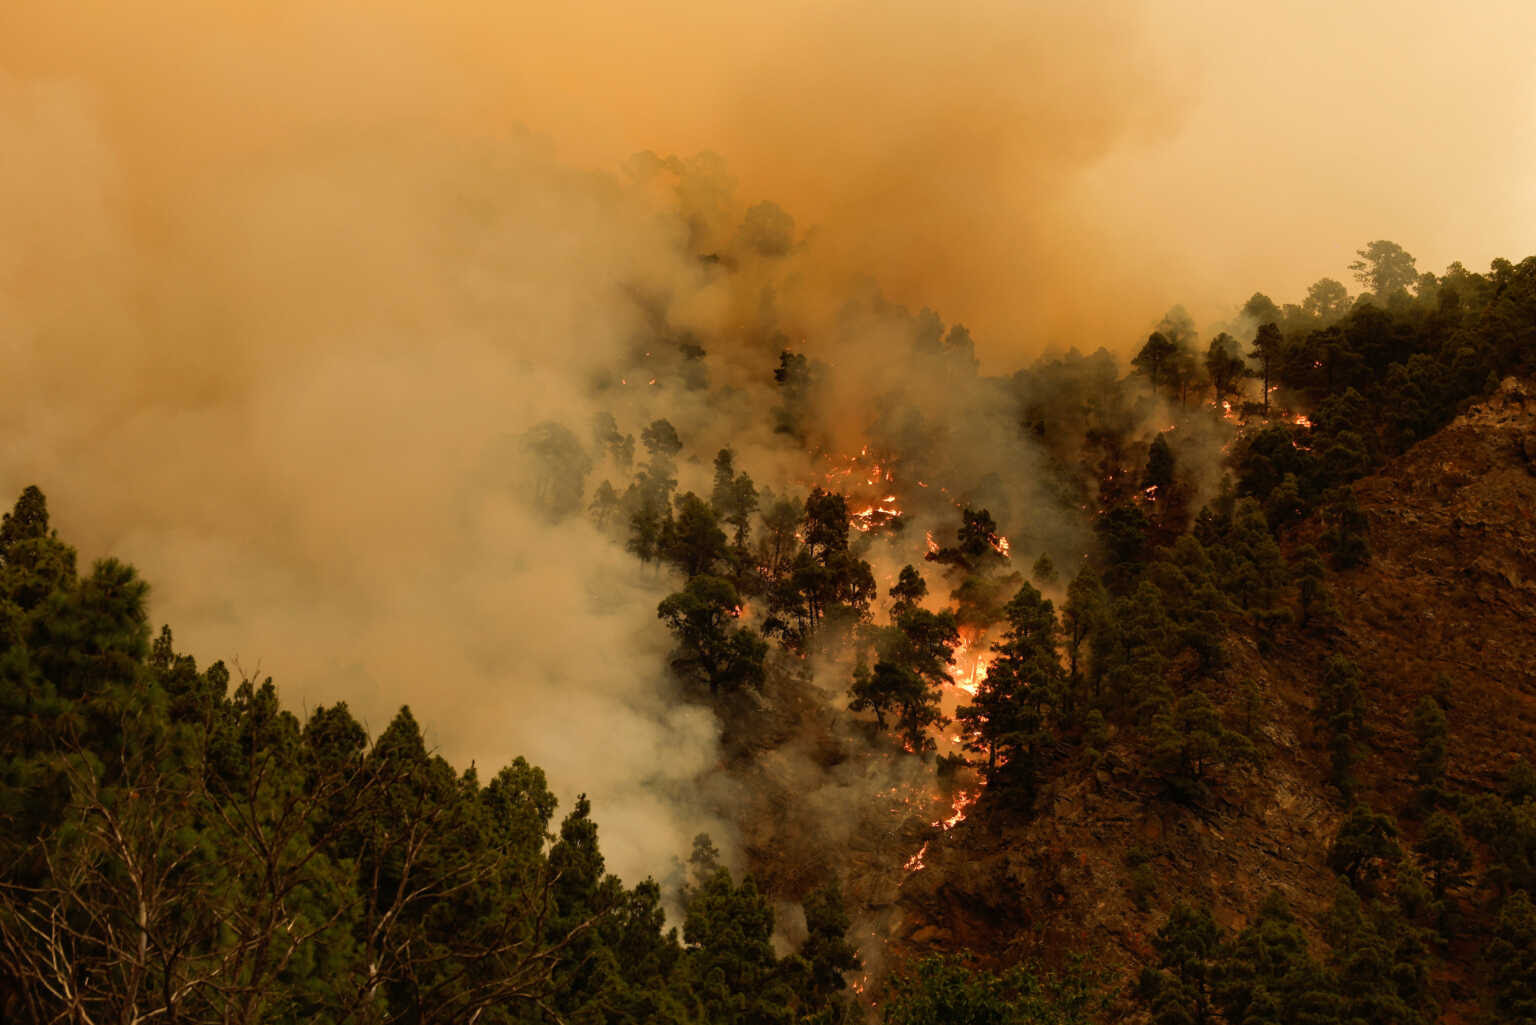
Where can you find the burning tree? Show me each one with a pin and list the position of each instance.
(979, 560)
(914, 658)
(824, 581)
(1009, 716)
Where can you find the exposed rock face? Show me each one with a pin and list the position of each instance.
(1449, 598)
(1447, 604)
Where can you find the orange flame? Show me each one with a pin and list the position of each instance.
(963, 800)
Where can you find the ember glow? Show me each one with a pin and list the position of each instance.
(875, 502)
(962, 803)
(963, 800)
(970, 667)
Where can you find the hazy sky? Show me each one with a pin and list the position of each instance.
(281, 283)
(1036, 170)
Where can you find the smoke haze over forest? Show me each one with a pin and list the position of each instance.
(282, 287)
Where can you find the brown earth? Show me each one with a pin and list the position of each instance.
(1447, 604)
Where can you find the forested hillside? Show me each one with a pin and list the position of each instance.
(1081, 693)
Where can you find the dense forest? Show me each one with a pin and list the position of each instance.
(179, 845)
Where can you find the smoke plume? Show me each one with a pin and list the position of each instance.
(285, 287)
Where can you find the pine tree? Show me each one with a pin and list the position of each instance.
(1445, 852)
(826, 956)
(1341, 710)
(1085, 615)
(910, 589)
(1366, 844)
(1187, 740)
(1432, 732)
(701, 617)
(736, 976)
(1179, 992)
(1512, 954)
(1024, 688)
(1267, 345)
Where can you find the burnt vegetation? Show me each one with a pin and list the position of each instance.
(178, 846)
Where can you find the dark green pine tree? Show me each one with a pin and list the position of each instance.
(1512, 955)
(735, 975)
(1348, 533)
(1187, 740)
(614, 962)
(908, 591)
(1267, 350)
(1444, 851)
(1135, 645)
(1432, 732)
(696, 545)
(1024, 690)
(1341, 710)
(1380, 963)
(734, 499)
(1267, 975)
(1084, 620)
(1224, 366)
(1158, 474)
(702, 617)
(1314, 604)
(1364, 847)
(1156, 358)
(914, 658)
(819, 969)
(1179, 990)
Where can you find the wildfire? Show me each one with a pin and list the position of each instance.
(963, 800)
(969, 681)
(978, 676)
(879, 507)
(1000, 543)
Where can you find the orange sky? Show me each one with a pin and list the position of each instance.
(1040, 171)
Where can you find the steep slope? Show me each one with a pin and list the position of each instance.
(1449, 599)
(1445, 606)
